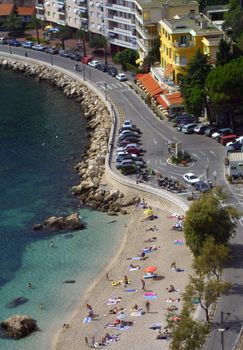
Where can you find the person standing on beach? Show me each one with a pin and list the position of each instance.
(107, 276)
(89, 307)
(86, 341)
(147, 306)
(143, 284)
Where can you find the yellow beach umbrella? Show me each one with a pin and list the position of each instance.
(148, 211)
(48, 27)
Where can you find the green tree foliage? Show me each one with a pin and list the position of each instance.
(153, 55)
(100, 41)
(193, 84)
(225, 85)
(223, 54)
(81, 35)
(212, 259)
(13, 23)
(35, 23)
(207, 292)
(64, 33)
(234, 20)
(126, 56)
(187, 334)
(206, 217)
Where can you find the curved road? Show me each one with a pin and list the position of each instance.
(207, 154)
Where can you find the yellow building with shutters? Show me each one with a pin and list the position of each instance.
(181, 37)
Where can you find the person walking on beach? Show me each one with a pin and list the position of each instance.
(89, 307)
(143, 284)
(147, 306)
(107, 276)
(86, 341)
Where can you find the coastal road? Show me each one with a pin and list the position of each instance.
(206, 153)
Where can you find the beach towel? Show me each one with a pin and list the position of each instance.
(131, 290)
(87, 319)
(150, 293)
(179, 242)
(150, 297)
(137, 313)
(134, 268)
(113, 301)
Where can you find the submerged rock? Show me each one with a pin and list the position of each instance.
(69, 281)
(16, 302)
(19, 326)
(71, 222)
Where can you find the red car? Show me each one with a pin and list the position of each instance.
(227, 138)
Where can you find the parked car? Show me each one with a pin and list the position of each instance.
(102, 67)
(128, 169)
(86, 59)
(190, 178)
(129, 133)
(184, 118)
(188, 128)
(210, 130)
(238, 140)
(221, 132)
(52, 50)
(13, 42)
(125, 162)
(139, 161)
(127, 123)
(201, 186)
(3, 40)
(130, 129)
(123, 143)
(64, 53)
(200, 129)
(121, 77)
(39, 47)
(28, 44)
(227, 138)
(112, 71)
(74, 56)
(234, 146)
(93, 63)
(125, 156)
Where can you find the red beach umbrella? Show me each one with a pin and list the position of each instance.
(150, 269)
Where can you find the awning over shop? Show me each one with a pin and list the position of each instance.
(151, 85)
(162, 102)
(175, 98)
(169, 70)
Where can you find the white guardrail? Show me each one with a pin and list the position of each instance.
(119, 178)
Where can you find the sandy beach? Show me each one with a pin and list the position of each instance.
(139, 335)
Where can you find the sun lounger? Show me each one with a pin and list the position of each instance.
(155, 326)
(137, 313)
(150, 275)
(134, 268)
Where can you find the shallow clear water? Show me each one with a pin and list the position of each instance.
(42, 136)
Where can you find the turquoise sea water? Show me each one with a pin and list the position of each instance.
(42, 136)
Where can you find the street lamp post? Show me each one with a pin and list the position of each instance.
(84, 72)
(105, 86)
(10, 49)
(51, 59)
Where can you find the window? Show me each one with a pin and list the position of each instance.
(54, 15)
(48, 13)
(183, 60)
(69, 8)
(177, 59)
(70, 19)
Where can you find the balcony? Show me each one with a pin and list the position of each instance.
(119, 8)
(145, 34)
(61, 22)
(123, 43)
(179, 45)
(122, 20)
(40, 16)
(122, 31)
(39, 6)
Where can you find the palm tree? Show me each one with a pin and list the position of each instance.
(81, 34)
(13, 23)
(64, 34)
(35, 23)
(104, 44)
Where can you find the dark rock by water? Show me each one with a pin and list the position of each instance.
(19, 326)
(53, 223)
(16, 302)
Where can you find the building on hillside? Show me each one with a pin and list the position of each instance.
(149, 13)
(181, 37)
(216, 14)
(25, 12)
(6, 10)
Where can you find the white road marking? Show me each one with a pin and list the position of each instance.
(156, 162)
(213, 153)
(148, 161)
(154, 141)
(161, 162)
(196, 156)
(123, 83)
(203, 153)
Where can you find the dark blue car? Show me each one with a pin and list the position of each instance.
(14, 42)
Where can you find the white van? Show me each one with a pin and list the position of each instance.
(3, 40)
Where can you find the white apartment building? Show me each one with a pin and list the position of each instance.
(120, 25)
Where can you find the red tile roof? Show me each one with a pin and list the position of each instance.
(175, 98)
(26, 11)
(150, 84)
(161, 101)
(6, 9)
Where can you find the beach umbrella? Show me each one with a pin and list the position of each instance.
(150, 269)
(148, 211)
(48, 27)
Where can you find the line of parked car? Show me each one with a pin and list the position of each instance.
(187, 125)
(129, 158)
(108, 69)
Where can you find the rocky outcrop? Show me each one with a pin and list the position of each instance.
(92, 167)
(19, 326)
(71, 222)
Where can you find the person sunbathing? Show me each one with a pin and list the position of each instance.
(171, 289)
(131, 266)
(135, 307)
(150, 240)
